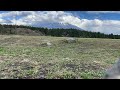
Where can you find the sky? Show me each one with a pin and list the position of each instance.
(97, 21)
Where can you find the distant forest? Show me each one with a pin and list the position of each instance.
(59, 32)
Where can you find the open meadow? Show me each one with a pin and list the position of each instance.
(28, 57)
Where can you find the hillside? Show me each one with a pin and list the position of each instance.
(58, 32)
(27, 57)
(19, 31)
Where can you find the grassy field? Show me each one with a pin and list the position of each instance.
(25, 57)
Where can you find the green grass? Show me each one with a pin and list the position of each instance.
(25, 57)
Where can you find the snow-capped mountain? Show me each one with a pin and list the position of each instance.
(57, 25)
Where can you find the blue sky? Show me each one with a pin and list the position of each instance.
(97, 14)
(97, 21)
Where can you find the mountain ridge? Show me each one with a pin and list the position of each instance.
(54, 25)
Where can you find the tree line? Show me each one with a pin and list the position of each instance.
(58, 32)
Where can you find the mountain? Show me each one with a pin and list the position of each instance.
(57, 25)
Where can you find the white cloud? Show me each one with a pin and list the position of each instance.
(47, 17)
(104, 26)
(15, 13)
(3, 21)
